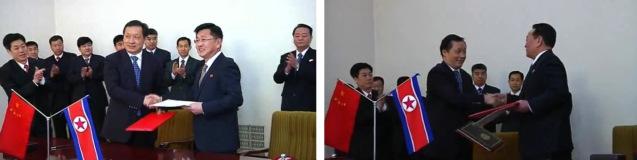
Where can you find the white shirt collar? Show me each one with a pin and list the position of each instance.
(185, 59)
(452, 68)
(538, 57)
(302, 52)
(478, 87)
(151, 51)
(60, 56)
(515, 93)
(211, 60)
(89, 57)
(22, 65)
(139, 58)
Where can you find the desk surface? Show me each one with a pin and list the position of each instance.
(118, 151)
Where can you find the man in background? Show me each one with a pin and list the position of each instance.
(297, 69)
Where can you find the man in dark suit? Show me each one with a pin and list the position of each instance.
(86, 77)
(180, 72)
(218, 94)
(25, 76)
(479, 75)
(297, 69)
(133, 79)
(362, 142)
(60, 88)
(511, 121)
(546, 104)
(151, 47)
(450, 99)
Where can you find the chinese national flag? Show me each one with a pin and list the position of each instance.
(16, 127)
(341, 115)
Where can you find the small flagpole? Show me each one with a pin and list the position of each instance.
(48, 122)
(374, 112)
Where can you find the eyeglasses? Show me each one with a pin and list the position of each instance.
(203, 40)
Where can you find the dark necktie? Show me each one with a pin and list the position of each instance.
(26, 67)
(299, 58)
(57, 58)
(203, 73)
(458, 80)
(183, 62)
(480, 91)
(136, 69)
(87, 61)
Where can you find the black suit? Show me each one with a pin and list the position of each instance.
(488, 89)
(362, 142)
(448, 109)
(162, 55)
(511, 122)
(299, 90)
(181, 87)
(12, 76)
(92, 86)
(546, 131)
(60, 89)
(126, 103)
(217, 130)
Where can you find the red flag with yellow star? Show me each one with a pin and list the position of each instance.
(341, 115)
(16, 127)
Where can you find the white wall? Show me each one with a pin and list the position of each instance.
(33, 19)
(256, 33)
(595, 40)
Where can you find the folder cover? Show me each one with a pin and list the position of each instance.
(150, 122)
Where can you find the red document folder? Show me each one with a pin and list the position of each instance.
(481, 114)
(150, 122)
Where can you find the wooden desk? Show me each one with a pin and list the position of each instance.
(117, 151)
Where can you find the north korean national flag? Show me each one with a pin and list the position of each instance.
(78, 117)
(411, 110)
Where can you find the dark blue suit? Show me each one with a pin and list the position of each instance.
(126, 97)
(546, 132)
(217, 130)
(299, 90)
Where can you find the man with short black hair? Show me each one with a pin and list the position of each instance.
(134, 81)
(86, 77)
(60, 64)
(180, 72)
(546, 102)
(217, 91)
(297, 69)
(450, 98)
(479, 76)
(27, 77)
(151, 47)
(511, 123)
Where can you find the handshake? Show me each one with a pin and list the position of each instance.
(496, 99)
(151, 99)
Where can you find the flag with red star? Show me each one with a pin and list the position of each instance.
(16, 127)
(413, 116)
(341, 115)
(78, 117)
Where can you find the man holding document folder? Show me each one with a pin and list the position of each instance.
(546, 104)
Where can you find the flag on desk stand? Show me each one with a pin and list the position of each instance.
(341, 115)
(78, 117)
(17, 126)
(413, 117)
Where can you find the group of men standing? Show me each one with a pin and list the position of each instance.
(541, 118)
